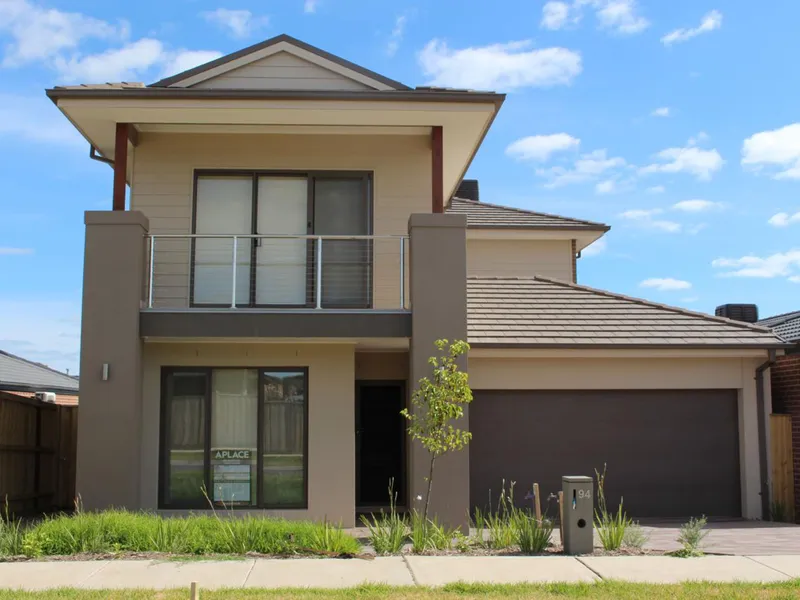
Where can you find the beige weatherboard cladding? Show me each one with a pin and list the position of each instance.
(519, 258)
(163, 179)
(282, 71)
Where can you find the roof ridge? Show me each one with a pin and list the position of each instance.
(528, 212)
(37, 364)
(675, 309)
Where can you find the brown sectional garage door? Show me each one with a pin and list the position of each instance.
(669, 453)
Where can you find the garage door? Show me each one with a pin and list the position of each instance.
(669, 453)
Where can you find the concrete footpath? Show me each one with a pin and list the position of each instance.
(394, 570)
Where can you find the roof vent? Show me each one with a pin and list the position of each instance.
(738, 312)
(46, 397)
(468, 190)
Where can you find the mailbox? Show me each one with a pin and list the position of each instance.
(577, 514)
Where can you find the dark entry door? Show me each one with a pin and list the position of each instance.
(380, 443)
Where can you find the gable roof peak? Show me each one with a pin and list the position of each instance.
(254, 52)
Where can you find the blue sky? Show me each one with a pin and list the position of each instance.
(677, 123)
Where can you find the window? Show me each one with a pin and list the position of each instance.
(280, 271)
(234, 437)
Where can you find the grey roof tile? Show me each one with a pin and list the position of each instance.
(537, 311)
(19, 374)
(484, 215)
(786, 325)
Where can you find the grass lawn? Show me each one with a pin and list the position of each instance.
(605, 591)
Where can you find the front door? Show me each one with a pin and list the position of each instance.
(380, 443)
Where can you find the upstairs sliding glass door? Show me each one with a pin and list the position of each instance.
(279, 270)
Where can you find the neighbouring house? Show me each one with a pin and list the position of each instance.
(28, 379)
(785, 378)
(298, 234)
(37, 436)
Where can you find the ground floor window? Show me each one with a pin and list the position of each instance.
(234, 437)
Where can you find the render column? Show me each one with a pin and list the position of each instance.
(109, 417)
(438, 285)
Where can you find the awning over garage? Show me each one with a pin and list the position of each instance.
(669, 453)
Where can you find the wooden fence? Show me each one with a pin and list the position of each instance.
(37, 454)
(782, 463)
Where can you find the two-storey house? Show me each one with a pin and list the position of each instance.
(256, 313)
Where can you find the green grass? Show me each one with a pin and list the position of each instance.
(121, 531)
(607, 590)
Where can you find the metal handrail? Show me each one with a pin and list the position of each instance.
(318, 256)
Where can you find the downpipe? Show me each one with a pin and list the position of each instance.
(762, 435)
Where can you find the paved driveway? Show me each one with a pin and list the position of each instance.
(732, 537)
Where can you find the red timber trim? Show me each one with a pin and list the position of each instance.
(120, 165)
(437, 174)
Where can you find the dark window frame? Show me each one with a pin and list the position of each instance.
(311, 176)
(163, 453)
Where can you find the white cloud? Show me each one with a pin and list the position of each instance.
(701, 137)
(310, 6)
(695, 161)
(498, 66)
(617, 16)
(9, 251)
(795, 278)
(609, 186)
(709, 22)
(665, 284)
(396, 37)
(781, 264)
(586, 168)
(695, 206)
(239, 23)
(662, 111)
(34, 119)
(620, 16)
(183, 60)
(39, 34)
(783, 219)
(643, 218)
(777, 147)
(541, 147)
(595, 248)
(656, 189)
(119, 64)
(555, 15)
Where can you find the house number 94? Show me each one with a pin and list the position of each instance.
(584, 493)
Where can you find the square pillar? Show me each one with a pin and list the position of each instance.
(438, 283)
(109, 418)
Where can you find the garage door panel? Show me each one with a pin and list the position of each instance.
(668, 453)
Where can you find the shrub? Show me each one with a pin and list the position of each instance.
(387, 532)
(428, 534)
(501, 523)
(123, 531)
(778, 512)
(635, 537)
(691, 537)
(11, 534)
(533, 536)
(610, 528)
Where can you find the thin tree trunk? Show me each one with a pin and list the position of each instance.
(430, 485)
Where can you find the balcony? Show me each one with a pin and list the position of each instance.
(276, 273)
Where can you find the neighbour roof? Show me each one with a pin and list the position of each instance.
(786, 325)
(483, 215)
(61, 399)
(18, 374)
(539, 312)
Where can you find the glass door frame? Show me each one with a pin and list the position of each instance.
(367, 178)
(163, 454)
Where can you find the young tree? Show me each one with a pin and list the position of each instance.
(437, 403)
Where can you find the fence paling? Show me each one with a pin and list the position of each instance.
(782, 463)
(37, 454)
